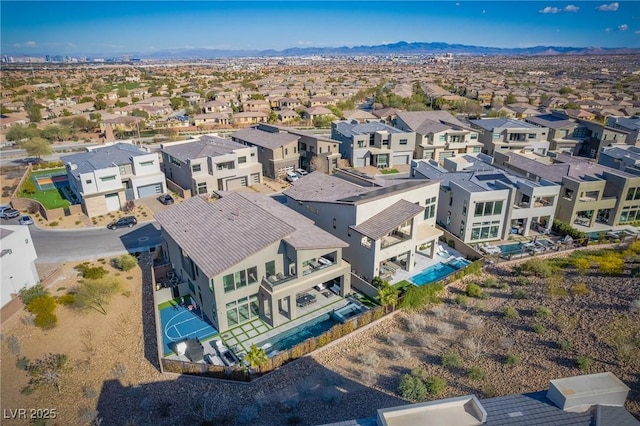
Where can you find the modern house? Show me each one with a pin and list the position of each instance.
(597, 136)
(631, 125)
(105, 178)
(561, 131)
(373, 144)
(439, 134)
(508, 134)
(380, 224)
(246, 256)
(591, 193)
(277, 150)
(479, 202)
(316, 152)
(17, 261)
(622, 157)
(211, 163)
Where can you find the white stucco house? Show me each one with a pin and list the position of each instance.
(17, 261)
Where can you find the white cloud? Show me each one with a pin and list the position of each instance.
(571, 8)
(637, 32)
(623, 27)
(608, 30)
(550, 9)
(611, 7)
(304, 43)
(30, 44)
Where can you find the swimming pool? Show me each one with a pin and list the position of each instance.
(348, 311)
(438, 271)
(512, 248)
(290, 338)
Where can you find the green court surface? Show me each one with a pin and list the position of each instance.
(49, 184)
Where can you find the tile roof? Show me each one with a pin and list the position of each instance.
(206, 146)
(510, 123)
(388, 219)
(551, 121)
(264, 139)
(4, 232)
(221, 233)
(318, 186)
(349, 129)
(424, 122)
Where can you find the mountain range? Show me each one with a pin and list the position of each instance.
(399, 48)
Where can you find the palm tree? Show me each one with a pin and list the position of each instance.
(388, 296)
(256, 357)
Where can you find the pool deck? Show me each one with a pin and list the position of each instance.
(422, 262)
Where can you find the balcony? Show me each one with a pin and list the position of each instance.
(316, 265)
(395, 237)
(273, 281)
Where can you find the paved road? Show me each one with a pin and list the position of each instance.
(55, 246)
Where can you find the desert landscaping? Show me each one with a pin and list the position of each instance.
(521, 326)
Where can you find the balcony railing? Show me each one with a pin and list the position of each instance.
(314, 266)
(394, 238)
(275, 280)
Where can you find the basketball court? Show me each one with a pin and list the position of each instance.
(182, 321)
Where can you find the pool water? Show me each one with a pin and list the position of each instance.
(290, 338)
(512, 248)
(438, 271)
(348, 311)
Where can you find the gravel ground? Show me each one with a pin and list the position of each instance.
(351, 378)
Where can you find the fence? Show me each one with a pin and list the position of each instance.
(243, 374)
(184, 193)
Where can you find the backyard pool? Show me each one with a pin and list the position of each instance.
(348, 311)
(512, 248)
(438, 271)
(300, 333)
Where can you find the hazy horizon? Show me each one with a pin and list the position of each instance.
(144, 27)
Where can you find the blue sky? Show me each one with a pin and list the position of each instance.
(104, 27)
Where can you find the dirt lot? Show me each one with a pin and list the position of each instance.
(113, 375)
(9, 178)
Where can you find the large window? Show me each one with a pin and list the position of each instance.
(242, 310)
(270, 268)
(107, 178)
(242, 160)
(488, 208)
(196, 167)
(430, 208)
(229, 165)
(485, 230)
(240, 279)
(202, 188)
(633, 194)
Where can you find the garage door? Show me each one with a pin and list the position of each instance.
(283, 171)
(401, 159)
(113, 202)
(255, 178)
(236, 183)
(148, 190)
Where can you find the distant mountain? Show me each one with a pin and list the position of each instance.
(399, 48)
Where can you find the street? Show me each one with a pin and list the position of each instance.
(56, 246)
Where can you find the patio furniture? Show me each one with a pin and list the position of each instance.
(324, 261)
(305, 300)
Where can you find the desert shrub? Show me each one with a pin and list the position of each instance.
(13, 343)
(96, 294)
(511, 313)
(22, 363)
(451, 359)
(126, 262)
(611, 264)
(91, 272)
(460, 299)
(491, 282)
(412, 388)
(54, 223)
(522, 280)
(520, 294)
(68, 299)
(538, 267)
(369, 376)
(565, 345)
(46, 321)
(579, 289)
(473, 290)
(47, 371)
(538, 328)
(370, 359)
(475, 373)
(28, 294)
(89, 392)
(400, 353)
(435, 385)
(563, 229)
(541, 312)
(584, 363)
(555, 288)
(582, 265)
(513, 359)
(634, 247)
(395, 338)
(420, 373)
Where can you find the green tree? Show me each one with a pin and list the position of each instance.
(37, 147)
(510, 99)
(96, 294)
(19, 132)
(54, 132)
(273, 117)
(33, 110)
(256, 357)
(388, 296)
(140, 113)
(100, 104)
(122, 92)
(126, 262)
(28, 294)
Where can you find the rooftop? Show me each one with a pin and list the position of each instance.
(349, 129)
(206, 146)
(101, 158)
(264, 139)
(500, 123)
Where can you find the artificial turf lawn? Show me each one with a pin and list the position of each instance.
(50, 199)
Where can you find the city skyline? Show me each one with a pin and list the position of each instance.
(107, 27)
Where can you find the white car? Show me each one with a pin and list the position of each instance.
(25, 220)
(301, 172)
(292, 177)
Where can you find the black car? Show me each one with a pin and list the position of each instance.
(166, 199)
(123, 222)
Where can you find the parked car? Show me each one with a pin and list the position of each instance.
(301, 172)
(291, 176)
(25, 220)
(9, 213)
(166, 199)
(123, 222)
